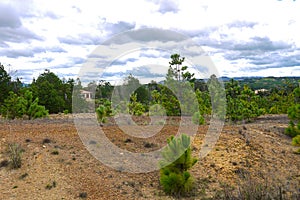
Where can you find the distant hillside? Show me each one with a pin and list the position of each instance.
(264, 82)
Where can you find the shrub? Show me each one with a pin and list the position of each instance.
(17, 106)
(55, 152)
(135, 108)
(83, 195)
(49, 186)
(198, 118)
(296, 140)
(101, 114)
(15, 153)
(4, 163)
(294, 125)
(174, 176)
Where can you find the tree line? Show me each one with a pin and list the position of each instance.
(57, 95)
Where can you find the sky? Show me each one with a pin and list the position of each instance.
(240, 37)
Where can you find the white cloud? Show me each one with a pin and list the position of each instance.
(226, 29)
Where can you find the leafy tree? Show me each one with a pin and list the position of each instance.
(177, 160)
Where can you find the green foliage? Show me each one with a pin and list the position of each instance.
(5, 81)
(198, 118)
(178, 72)
(50, 91)
(242, 103)
(32, 108)
(101, 114)
(169, 102)
(135, 107)
(104, 90)
(294, 125)
(15, 155)
(177, 160)
(107, 104)
(218, 97)
(279, 102)
(133, 85)
(204, 104)
(177, 95)
(296, 140)
(12, 107)
(18, 106)
(104, 110)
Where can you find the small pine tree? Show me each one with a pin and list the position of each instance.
(198, 118)
(101, 114)
(16, 106)
(294, 125)
(174, 176)
(135, 107)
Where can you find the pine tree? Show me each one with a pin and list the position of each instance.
(101, 114)
(177, 160)
(294, 125)
(18, 106)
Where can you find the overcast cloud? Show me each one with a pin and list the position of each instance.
(242, 38)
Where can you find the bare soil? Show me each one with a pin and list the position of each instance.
(56, 164)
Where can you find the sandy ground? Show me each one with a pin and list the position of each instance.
(57, 165)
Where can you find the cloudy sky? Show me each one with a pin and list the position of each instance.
(242, 38)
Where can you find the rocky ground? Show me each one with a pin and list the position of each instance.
(57, 165)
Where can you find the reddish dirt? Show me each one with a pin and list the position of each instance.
(259, 148)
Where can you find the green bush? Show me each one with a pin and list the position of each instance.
(177, 160)
(198, 118)
(101, 114)
(296, 140)
(104, 110)
(135, 108)
(17, 106)
(294, 125)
